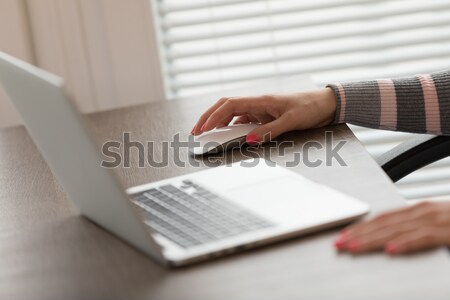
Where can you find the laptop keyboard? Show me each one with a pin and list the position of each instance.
(190, 215)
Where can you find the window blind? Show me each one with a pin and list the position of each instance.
(215, 44)
(210, 45)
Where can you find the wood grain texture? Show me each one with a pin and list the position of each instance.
(48, 252)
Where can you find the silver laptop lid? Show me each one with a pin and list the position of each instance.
(64, 140)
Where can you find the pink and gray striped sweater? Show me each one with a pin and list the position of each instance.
(419, 104)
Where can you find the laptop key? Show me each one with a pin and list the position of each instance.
(199, 217)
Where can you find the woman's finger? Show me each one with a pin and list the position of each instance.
(196, 130)
(269, 131)
(230, 108)
(386, 218)
(225, 122)
(385, 223)
(376, 240)
(420, 239)
(389, 219)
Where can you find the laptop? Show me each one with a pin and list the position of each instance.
(181, 220)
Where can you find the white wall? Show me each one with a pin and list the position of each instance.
(104, 49)
(14, 39)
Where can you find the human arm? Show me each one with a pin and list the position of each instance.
(419, 104)
(416, 104)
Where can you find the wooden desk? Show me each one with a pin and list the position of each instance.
(48, 252)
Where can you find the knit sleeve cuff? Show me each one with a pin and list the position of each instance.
(339, 116)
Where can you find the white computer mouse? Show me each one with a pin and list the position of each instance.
(221, 139)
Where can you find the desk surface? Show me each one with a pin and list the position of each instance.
(48, 252)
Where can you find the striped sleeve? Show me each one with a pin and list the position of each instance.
(419, 104)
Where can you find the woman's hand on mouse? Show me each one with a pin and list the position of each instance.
(405, 230)
(276, 113)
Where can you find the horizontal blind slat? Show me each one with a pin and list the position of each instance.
(396, 70)
(321, 79)
(426, 175)
(373, 45)
(373, 61)
(168, 7)
(424, 190)
(436, 21)
(373, 137)
(303, 7)
(380, 13)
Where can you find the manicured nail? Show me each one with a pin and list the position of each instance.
(339, 243)
(390, 248)
(252, 139)
(353, 246)
(341, 240)
(203, 127)
(192, 131)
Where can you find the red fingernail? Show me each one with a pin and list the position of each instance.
(192, 131)
(203, 127)
(390, 248)
(339, 243)
(252, 139)
(341, 240)
(352, 246)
